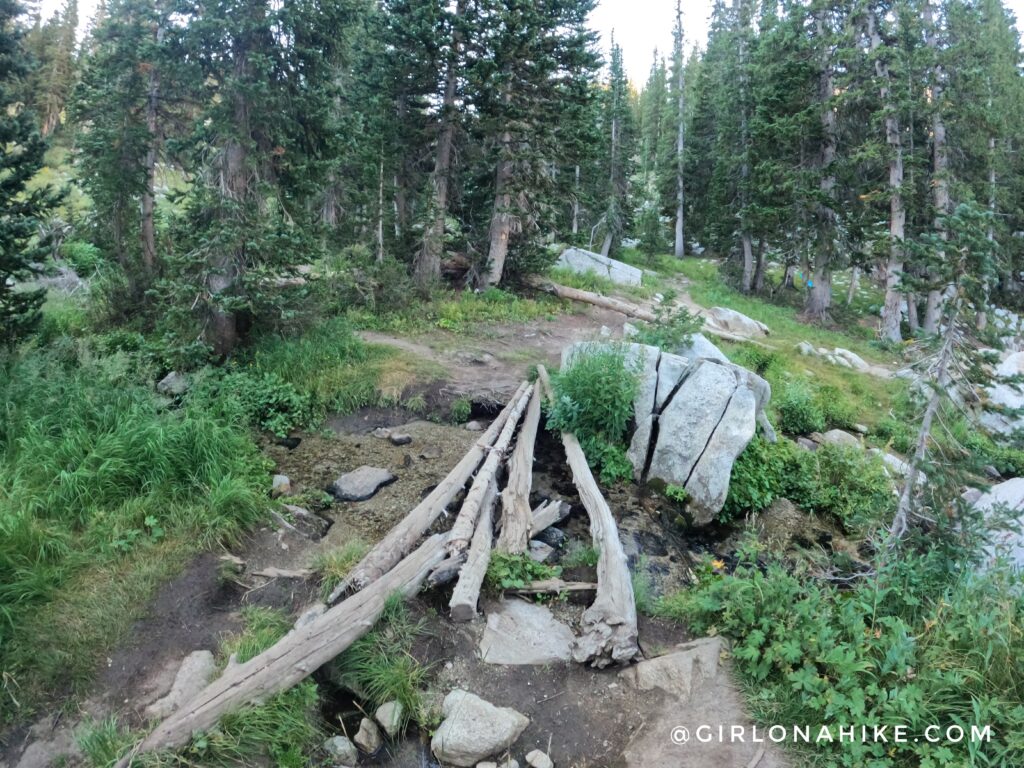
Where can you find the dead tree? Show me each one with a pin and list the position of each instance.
(516, 516)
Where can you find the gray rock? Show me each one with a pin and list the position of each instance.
(174, 384)
(861, 429)
(736, 322)
(643, 407)
(510, 763)
(678, 672)
(538, 759)
(390, 716)
(382, 432)
(671, 370)
(699, 348)
(807, 445)
(341, 750)
(1008, 495)
(854, 360)
(361, 484)
(400, 438)
(520, 633)
(582, 261)
(280, 486)
(708, 485)
(194, 674)
(553, 537)
(836, 437)
(539, 551)
(689, 420)
(473, 426)
(474, 729)
(806, 349)
(368, 737)
(629, 330)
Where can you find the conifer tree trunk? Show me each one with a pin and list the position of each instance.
(576, 205)
(501, 216)
(940, 165)
(680, 240)
(427, 268)
(892, 310)
(148, 191)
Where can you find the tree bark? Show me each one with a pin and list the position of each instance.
(680, 239)
(403, 537)
(501, 216)
(427, 267)
(576, 206)
(748, 262)
(940, 164)
(851, 291)
(516, 515)
(466, 594)
(148, 228)
(293, 658)
(759, 267)
(609, 625)
(465, 521)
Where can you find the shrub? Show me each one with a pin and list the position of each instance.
(506, 571)
(84, 258)
(461, 410)
(671, 330)
(759, 476)
(919, 643)
(263, 400)
(594, 401)
(799, 410)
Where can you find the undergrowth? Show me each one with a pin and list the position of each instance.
(505, 571)
(335, 565)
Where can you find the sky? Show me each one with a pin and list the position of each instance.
(640, 26)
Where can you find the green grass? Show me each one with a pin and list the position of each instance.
(105, 496)
(334, 566)
(580, 554)
(459, 312)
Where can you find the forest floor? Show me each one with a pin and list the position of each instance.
(581, 717)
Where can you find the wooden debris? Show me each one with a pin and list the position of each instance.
(516, 516)
(471, 578)
(296, 656)
(547, 514)
(554, 586)
(404, 536)
(465, 521)
(609, 624)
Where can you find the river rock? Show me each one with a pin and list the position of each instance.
(538, 759)
(281, 485)
(174, 384)
(855, 361)
(582, 261)
(390, 716)
(361, 484)
(474, 729)
(400, 438)
(341, 751)
(520, 633)
(368, 737)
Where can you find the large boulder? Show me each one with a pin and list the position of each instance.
(1009, 497)
(474, 729)
(582, 261)
(697, 348)
(1004, 396)
(644, 406)
(737, 323)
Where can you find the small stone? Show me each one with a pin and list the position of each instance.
(341, 750)
(280, 486)
(861, 429)
(361, 484)
(399, 438)
(382, 432)
(473, 426)
(807, 445)
(606, 332)
(539, 551)
(430, 452)
(806, 349)
(474, 729)
(291, 443)
(390, 715)
(538, 759)
(368, 738)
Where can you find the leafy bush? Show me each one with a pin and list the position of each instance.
(353, 278)
(84, 258)
(461, 410)
(594, 401)
(760, 475)
(899, 433)
(265, 401)
(506, 571)
(671, 331)
(922, 642)
(799, 409)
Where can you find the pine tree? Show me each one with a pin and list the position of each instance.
(54, 45)
(619, 138)
(20, 208)
(679, 104)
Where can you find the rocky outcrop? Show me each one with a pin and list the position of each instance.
(1003, 397)
(1006, 498)
(731, 321)
(582, 261)
(695, 412)
(474, 729)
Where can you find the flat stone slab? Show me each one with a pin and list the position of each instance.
(582, 261)
(519, 633)
(361, 484)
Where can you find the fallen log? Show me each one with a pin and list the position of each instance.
(296, 656)
(547, 514)
(465, 521)
(516, 516)
(471, 578)
(554, 586)
(609, 625)
(628, 309)
(403, 537)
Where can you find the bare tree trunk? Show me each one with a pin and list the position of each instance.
(748, 262)
(744, 190)
(759, 267)
(576, 206)
(427, 267)
(819, 297)
(680, 241)
(892, 309)
(380, 208)
(148, 190)
(402, 182)
(851, 291)
(912, 319)
(940, 164)
(501, 216)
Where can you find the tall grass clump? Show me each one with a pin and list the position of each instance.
(97, 475)
(594, 401)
